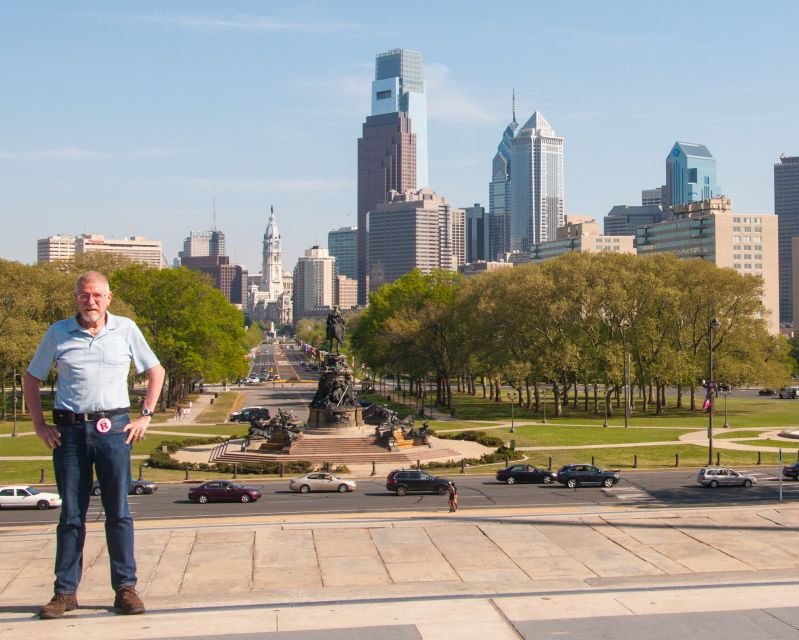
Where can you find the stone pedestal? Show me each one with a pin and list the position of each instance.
(341, 419)
(335, 407)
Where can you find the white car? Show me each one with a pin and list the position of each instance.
(322, 481)
(24, 496)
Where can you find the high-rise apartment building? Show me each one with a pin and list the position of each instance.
(499, 192)
(55, 248)
(399, 86)
(786, 206)
(690, 174)
(230, 279)
(710, 230)
(342, 243)
(346, 292)
(477, 233)
(415, 230)
(536, 172)
(314, 284)
(386, 162)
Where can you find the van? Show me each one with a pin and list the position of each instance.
(789, 392)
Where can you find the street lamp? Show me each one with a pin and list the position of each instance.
(711, 389)
(512, 398)
(605, 402)
(622, 326)
(725, 394)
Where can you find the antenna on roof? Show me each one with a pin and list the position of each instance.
(214, 221)
(513, 104)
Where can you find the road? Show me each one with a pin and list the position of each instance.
(643, 489)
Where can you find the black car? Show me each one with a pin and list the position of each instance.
(575, 475)
(791, 471)
(250, 413)
(401, 481)
(136, 487)
(767, 392)
(524, 473)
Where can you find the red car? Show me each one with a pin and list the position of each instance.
(223, 491)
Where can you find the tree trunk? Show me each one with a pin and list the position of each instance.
(679, 396)
(528, 402)
(483, 385)
(5, 409)
(558, 400)
(585, 396)
(596, 400)
(498, 390)
(608, 393)
(693, 398)
(537, 398)
(659, 402)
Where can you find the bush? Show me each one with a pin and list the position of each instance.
(474, 436)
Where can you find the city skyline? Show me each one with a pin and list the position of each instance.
(123, 121)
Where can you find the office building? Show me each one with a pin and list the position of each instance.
(710, 230)
(314, 284)
(499, 192)
(346, 292)
(624, 220)
(399, 87)
(471, 269)
(786, 207)
(536, 172)
(230, 279)
(654, 197)
(580, 235)
(55, 248)
(386, 162)
(690, 174)
(203, 243)
(415, 230)
(342, 243)
(477, 233)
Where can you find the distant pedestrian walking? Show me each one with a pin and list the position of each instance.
(452, 492)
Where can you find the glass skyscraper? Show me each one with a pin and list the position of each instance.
(690, 174)
(786, 206)
(342, 244)
(499, 194)
(399, 86)
(536, 184)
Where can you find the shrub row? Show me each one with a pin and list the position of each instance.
(473, 436)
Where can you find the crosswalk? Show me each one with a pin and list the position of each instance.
(629, 494)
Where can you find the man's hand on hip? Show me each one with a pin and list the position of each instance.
(50, 435)
(136, 429)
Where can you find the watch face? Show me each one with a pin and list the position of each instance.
(146, 412)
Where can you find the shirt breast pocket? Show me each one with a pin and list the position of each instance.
(115, 353)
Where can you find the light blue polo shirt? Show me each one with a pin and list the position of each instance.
(92, 370)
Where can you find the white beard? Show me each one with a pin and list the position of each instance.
(90, 317)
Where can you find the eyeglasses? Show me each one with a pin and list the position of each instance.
(85, 297)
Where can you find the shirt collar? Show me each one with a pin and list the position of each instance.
(111, 323)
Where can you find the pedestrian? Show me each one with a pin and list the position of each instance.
(452, 492)
(92, 432)
(186, 412)
(177, 414)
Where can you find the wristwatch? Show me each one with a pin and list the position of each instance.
(146, 412)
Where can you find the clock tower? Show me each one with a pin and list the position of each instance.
(272, 266)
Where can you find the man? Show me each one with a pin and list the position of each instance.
(91, 428)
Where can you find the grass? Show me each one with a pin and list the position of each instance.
(222, 407)
(32, 446)
(232, 429)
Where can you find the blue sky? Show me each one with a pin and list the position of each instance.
(119, 118)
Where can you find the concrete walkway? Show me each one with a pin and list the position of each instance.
(437, 577)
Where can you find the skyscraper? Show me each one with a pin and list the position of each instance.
(342, 244)
(536, 176)
(203, 243)
(477, 233)
(690, 174)
(314, 284)
(392, 151)
(386, 162)
(499, 193)
(399, 86)
(786, 206)
(272, 262)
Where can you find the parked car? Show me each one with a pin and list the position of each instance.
(767, 392)
(723, 387)
(575, 475)
(524, 473)
(788, 392)
(402, 481)
(724, 477)
(247, 413)
(136, 487)
(252, 380)
(223, 491)
(321, 481)
(23, 496)
(791, 471)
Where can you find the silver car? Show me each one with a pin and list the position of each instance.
(724, 477)
(322, 481)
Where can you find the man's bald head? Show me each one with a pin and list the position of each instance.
(94, 277)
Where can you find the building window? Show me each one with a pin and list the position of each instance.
(736, 256)
(747, 220)
(736, 238)
(748, 229)
(736, 219)
(747, 265)
(736, 229)
(758, 265)
(736, 265)
(382, 95)
(758, 229)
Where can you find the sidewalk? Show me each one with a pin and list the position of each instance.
(440, 576)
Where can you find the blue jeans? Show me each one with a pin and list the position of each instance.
(81, 447)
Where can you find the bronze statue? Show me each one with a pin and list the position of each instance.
(335, 329)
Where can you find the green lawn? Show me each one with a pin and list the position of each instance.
(32, 446)
(218, 412)
(231, 429)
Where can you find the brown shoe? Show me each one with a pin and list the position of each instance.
(128, 601)
(60, 604)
